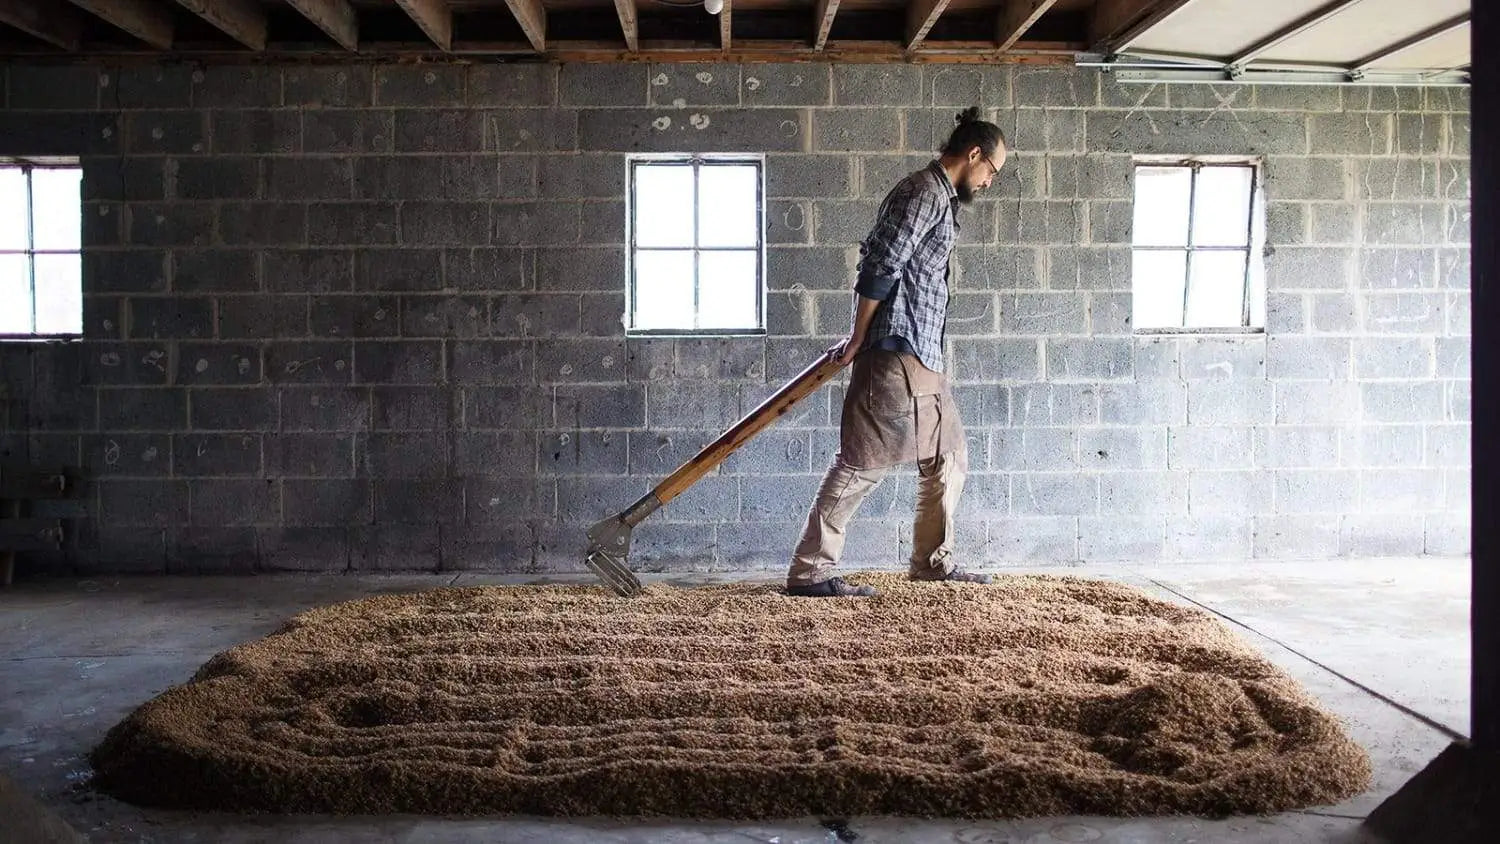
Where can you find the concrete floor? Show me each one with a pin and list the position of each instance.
(1383, 643)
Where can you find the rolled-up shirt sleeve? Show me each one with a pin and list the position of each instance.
(905, 218)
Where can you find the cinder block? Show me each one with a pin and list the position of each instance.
(289, 455)
(398, 362)
(235, 502)
(1043, 314)
(303, 362)
(1222, 358)
(507, 268)
(809, 176)
(587, 84)
(574, 360)
(445, 316)
(1287, 313)
(1218, 133)
(149, 86)
(1334, 222)
(237, 86)
(843, 221)
(1458, 134)
(1297, 447)
(1395, 179)
(154, 503)
(535, 223)
(1048, 87)
(446, 223)
(785, 498)
(1317, 490)
(503, 453)
(218, 363)
(1404, 313)
(1147, 493)
(981, 360)
(1415, 490)
(350, 223)
(354, 131)
(962, 86)
(1334, 313)
(773, 452)
(1194, 95)
(216, 455)
(127, 364)
(127, 271)
(1039, 449)
(490, 362)
(694, 84)
(1143, 403)
(531, 130)
(212, 550)
(692, 404)
(1087, 268)
(495, 501)
(142, 409)
(215, 178)
(1294, 537)
(1393, 357)
(1350, 134)
(440, 130)
(159, 224)
(178, 132)
(353, 316)
(1286, 223)
(1403, 223)
(309, 178)
(1447, 535)
(307, 271)
(706, 129)
(420, 86)
(232, 409)
(1229, 402)
(1232, 492)
(384, 455)
(1094, 359)
(1419, 134)
(128, 454)
(256, 132)
(318, 88)
(1388, 445)
(1322, 98)
(1121, 538)
(429, 501)
(262, 316)
(515, 408)
(215, 271)
(1223, 537)
(1054, 493)
(851, 129)
(810, 267)
(1035, 539)
(1310, 358)
(265, 223)
(1002, 268)
(330, 408)
(404, 270)
(1111, 449)
(170, 317)
(1309, 268)
(786, 85)
(397, 548)
(1386, 535)
(877, 85)
(1453, 357)
(512, 84)
(304, 549)
(1402, 401)
(582, 453)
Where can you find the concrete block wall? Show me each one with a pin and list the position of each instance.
(368, 317)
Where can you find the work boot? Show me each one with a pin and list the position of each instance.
(956, 576)
(833, 587)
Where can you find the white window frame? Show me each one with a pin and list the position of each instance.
(27, 166)
(696, 161)
(1253, 295)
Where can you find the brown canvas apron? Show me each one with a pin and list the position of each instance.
(897, 411)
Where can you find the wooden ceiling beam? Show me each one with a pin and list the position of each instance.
(625, 9)
(241, 20)
(435, 19)
(533, 20)
(335, 17)
(145, 20)
(920, 16)
(60, 26)
(725, 17)
(1017, 17)
(1116, 24)
(823, 21)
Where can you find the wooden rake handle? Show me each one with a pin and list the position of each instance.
(767, 412)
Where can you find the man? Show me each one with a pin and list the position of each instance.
(898, 407)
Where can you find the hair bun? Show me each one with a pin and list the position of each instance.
(968, 115)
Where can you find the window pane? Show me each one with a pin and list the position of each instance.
(727, 296)
(1221, 207)
(56, 207)
(663, 205)
(726, 205)
(1157, 281)
(1216, 290)
(12, 208)
(59, 294)
(1161, 206)
(15, 295)
(663, 290)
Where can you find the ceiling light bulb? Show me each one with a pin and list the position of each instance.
(713, 7)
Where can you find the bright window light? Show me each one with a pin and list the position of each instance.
(41, 282)
(696, 246)
(1195, 264)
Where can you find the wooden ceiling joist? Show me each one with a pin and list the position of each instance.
(725, 17)
(58, 25)
(144, 19)
(920, 16)
(435, 19)
(533, 20)
(625, 9)
(241, 20)
(1017, 17)
(823, 21)
(335, 17)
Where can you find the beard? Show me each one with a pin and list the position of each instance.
(965, 193)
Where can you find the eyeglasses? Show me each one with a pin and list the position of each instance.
(995, 171)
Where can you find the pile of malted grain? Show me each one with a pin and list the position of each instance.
(1034, 696)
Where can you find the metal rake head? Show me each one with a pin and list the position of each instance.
(609, 549)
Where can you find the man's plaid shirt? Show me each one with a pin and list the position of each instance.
(903, 264)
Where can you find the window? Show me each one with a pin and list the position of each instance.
(41, 287)
(696, 245)
(1196, 262)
